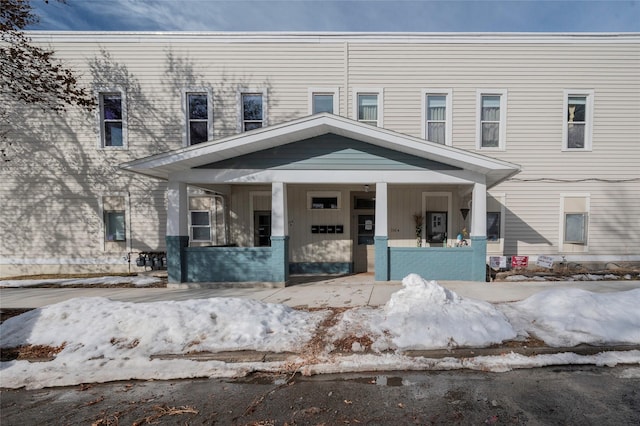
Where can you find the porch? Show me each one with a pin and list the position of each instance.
(308, 174)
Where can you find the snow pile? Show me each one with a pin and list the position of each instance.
(138, 281)
(569, 317)
(103, 340)
(98, 327)
(425, 315)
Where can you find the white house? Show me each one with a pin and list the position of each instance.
(252, 156)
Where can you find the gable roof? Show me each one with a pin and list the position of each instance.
(161, 165)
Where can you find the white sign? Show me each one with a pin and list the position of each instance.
(545, 261)
(498, 262)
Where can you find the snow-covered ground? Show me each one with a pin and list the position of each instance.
(102, 340)
(137, 281)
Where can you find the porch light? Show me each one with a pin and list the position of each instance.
(366, 188)
(465, 213)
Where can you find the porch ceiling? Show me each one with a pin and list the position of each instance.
(193, 157)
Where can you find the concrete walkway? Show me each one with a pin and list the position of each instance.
(347, 291)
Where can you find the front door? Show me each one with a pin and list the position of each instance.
(363, 228)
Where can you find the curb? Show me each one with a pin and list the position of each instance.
(233, 357)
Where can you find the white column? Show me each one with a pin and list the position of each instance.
(177, 209)
(279, 217)
(382, 209)
(479, 210)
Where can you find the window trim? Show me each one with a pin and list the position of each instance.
(99, 92)
(502, 134)
(191, 226)
(334, 91)
(588, 127)
(369, 91)
(448, 132)
(184, 99)
(240, 111)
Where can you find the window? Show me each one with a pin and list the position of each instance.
(320, 200)
(200, 225)
(578, 110)
(368, 106)
(112, 120)
(198, 117)
(436, 106)
(114, 229)
(436, 227)
(252, 110)
(322, 102)
(324, 202)
(574, 223)
(493, 226)
(491, 119)
(575, 228)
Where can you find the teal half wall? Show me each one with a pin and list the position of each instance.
(436, 263)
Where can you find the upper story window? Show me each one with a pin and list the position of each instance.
(112, 119)
(198, 117)
(437, 115)
(578, 110)
(253, 110)
(368, 106)
(491, 119)
(323, 100)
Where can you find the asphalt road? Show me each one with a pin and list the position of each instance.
(585, 395)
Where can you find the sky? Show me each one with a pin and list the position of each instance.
(332, 15)
(99, 340)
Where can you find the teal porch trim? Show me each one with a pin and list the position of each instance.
(479, 262)
(175, 258)
(227, 264)
(438, 263)
(280, 259)
(381, 258)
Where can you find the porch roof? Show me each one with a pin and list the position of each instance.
(183, 159)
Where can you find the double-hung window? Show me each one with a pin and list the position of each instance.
(578, 110)
(437, 115)
(200, 221)
(198, 117)
(369, 106)
(112, 119)
(253, 110)
(491, 119)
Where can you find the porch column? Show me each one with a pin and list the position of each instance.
(479, 231)
(177, 237)
(279, 233)
(381, 237)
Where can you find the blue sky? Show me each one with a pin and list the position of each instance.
(329, 15)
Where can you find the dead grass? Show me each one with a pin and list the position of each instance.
(31, 353)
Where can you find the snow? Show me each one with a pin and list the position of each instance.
(104, 340)
(137, 281)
